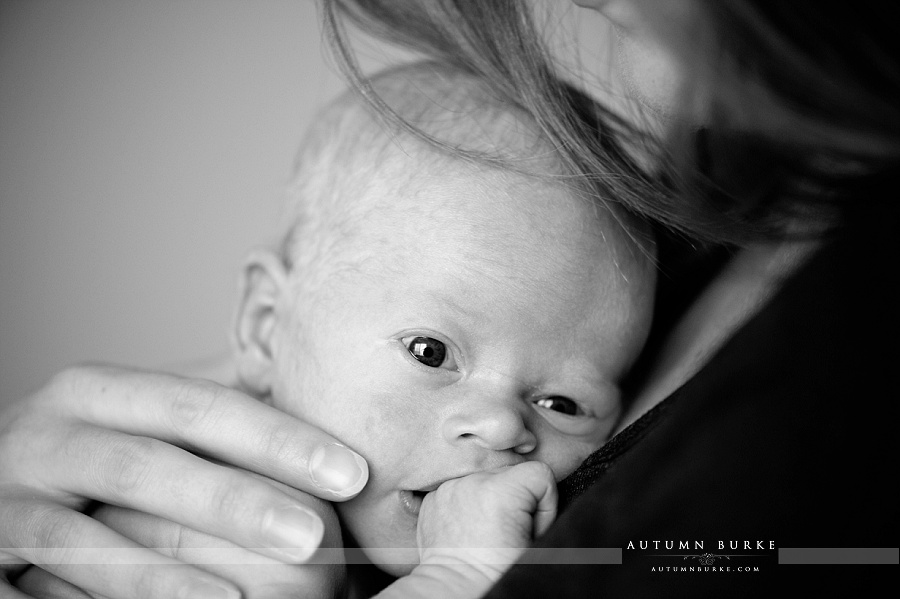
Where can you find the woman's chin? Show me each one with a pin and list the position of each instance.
(648, 76)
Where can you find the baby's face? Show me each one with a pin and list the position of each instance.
(483, 324)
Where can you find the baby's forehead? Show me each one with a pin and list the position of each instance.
(480, 214)
(497, 186)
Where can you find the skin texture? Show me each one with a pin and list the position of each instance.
(472, 528)
(644, 67)
(255, 575)
(112, 435)
(532, 297)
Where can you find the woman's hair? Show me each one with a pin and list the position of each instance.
(802, 107)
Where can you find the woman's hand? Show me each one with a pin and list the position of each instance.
(129, 438)
(257, 577)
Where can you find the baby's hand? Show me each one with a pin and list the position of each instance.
(481, 523)
(471, 529)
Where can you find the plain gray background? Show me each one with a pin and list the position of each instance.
(143, 150)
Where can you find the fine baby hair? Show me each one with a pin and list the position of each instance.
(352, 145)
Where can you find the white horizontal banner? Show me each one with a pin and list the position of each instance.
(247, 556)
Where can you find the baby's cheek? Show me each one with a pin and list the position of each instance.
(563, 443)
(565, 455)
(571, 464)
(606, 425)
(609, 408)
(395, 426)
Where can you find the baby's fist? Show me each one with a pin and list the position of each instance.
(486, 519)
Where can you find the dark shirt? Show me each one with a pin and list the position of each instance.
(787, 436)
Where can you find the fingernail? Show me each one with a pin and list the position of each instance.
(293, 532)
(337, 469)
(204, 589)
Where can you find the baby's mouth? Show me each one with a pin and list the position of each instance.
(412, 501)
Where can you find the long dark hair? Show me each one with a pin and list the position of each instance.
(802, 122)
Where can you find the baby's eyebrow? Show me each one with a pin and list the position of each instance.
(454, 305)
(447, 300)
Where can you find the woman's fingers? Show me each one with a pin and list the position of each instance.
(155, 477)
(103, 433)
(216, 421)
(54, 539)
(256, 576)
(7, 592)
(40, 584)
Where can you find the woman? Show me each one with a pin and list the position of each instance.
(769, 137)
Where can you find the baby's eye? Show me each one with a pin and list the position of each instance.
(559, 404)
(430, 352)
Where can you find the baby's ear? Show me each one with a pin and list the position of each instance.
(263, 282)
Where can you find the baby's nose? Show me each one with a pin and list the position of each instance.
(498, 424)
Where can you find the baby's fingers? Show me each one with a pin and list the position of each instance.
(537, 480)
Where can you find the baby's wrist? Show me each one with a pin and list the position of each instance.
(472, 564)
(452, 574)
(454, 580)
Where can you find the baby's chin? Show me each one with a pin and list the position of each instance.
(398, 561)
(380, 550)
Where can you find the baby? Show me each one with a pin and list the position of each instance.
(464, 324)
